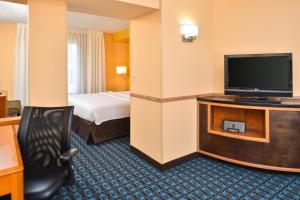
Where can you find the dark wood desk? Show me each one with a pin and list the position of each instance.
(11, 166)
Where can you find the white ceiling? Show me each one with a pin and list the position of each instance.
(113, 8)
(11, 12)
(96, 22)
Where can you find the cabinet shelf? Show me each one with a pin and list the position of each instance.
(251, 135)
(256, 120)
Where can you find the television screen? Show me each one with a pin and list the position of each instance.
(259, 75)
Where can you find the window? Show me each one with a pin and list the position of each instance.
(73, 69)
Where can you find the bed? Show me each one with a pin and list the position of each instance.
(101, 116)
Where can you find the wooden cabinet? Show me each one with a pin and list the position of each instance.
(3, 102)
(271, 140)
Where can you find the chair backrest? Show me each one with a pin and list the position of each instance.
(44, 134)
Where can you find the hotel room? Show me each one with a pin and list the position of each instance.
(149, 99)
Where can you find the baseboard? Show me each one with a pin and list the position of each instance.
(180, 160)
(166, 165)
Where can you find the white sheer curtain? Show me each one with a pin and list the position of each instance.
(86, 71)
(21, 65)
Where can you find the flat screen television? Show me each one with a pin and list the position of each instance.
(259, 75)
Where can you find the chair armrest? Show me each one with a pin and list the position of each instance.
(10, 121)
(66, 156)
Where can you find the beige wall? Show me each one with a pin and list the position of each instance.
(7, 56)
(146, 127)
(164, 66)
(116, 54)
(255, 26)
(47, 52)
(179, 122)
(186, 67)
(145, 53)
(146, 116)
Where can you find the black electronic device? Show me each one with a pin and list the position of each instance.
(234, 126)
(259, 76)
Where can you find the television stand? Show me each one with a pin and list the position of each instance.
(262, 100)
(271, 138)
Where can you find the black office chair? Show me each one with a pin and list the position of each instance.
(44, 139)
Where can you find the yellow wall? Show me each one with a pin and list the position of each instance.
(256, 26)
(121, 36)
(116, 54)
(7, 56)
(47, 52)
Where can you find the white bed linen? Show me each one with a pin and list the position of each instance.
(101, 107)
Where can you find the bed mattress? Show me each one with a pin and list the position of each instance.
(100, 107)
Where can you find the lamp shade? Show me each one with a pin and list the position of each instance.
(189, 30)
(121, 70)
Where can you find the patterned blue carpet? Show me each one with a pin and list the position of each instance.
(111, 171)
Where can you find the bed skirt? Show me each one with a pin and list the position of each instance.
(92, 133)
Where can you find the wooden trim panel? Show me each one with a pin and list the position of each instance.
(169, 99)
(250, 164)
(145, 97)
(267, 125)
(248, 107)
(10, 121)
(187, 97)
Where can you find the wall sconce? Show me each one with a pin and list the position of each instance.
(189, 32)
(122, 70)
